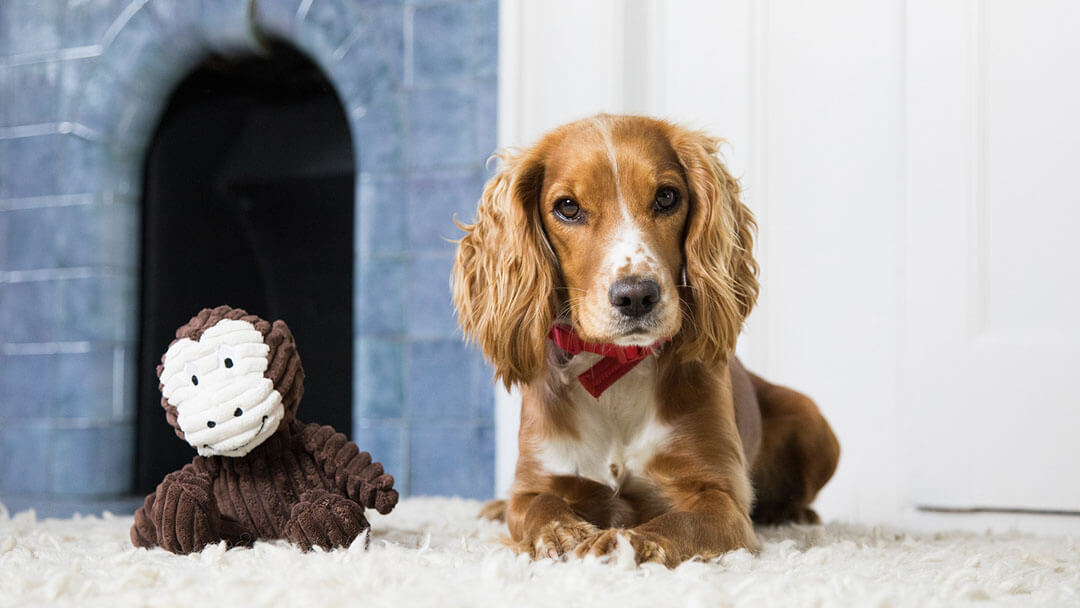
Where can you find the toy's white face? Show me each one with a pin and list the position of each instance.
(225, 405)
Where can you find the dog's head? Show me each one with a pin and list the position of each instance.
(628, 228)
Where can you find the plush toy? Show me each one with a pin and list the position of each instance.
(230, 384)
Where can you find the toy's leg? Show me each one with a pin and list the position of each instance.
(143, 531)
(323, 519)
(798, 455)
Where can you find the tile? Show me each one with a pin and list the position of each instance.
(96, 460)
(36, 93)
(325, 27)
(86, 21)
(84, 385)
(7, 93)
(484, 26)
(378, 133)
(225, 25)
(29, 311)
(386, 444)
(27, 386)
(5, 236)
(114, 239)
(65, 507)
(487, 120)
(29, 158)
(98, 308)
(482, 377)
(380, 297)
(442, 41)
(430, 307)
(378, 382)
(438, 379)
(100, 97)
(452, 460)
(32, 26)
(25, 457)
(34, 240)
(275, 18)
(74, 74)
(382, 210)
(370, 61)
(6, 168)
(85, 166)
(435, 199)
(179, 24)
(68, 236)
(441, 132)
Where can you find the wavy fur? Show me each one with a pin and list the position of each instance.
(721, 270)
(504, 273)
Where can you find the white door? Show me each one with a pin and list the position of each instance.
(992, 358)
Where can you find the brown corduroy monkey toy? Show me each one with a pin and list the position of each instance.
(231, 383)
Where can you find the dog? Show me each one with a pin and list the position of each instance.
(608, 273)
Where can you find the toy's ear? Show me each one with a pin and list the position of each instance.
(504, 273)
(283, 367)
(171, 413)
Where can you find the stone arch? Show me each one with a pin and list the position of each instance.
(149, 48)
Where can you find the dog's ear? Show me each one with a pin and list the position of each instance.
(721, 273)
(503, 278)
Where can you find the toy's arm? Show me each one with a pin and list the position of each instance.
(353, 471)
(181, 515)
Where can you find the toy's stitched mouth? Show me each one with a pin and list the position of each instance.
(245, 444)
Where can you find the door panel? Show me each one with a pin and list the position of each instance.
(992, 351)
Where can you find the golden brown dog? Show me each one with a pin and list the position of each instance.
(626, 234)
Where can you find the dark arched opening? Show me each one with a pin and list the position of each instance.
(248, 201)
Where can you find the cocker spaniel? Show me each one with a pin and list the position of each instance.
(608, 273)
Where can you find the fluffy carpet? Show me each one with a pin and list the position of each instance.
(434, 552)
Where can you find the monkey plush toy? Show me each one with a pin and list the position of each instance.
(230, 384)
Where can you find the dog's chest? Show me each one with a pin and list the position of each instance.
(617, 434)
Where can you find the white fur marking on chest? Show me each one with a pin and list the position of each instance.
(618, 434)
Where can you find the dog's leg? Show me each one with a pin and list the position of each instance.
(706, 523)
(798, 455)
(544, 525)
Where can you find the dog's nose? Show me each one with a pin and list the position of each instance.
(634, 296)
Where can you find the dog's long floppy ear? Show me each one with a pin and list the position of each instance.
(721, 272)
(504, 276)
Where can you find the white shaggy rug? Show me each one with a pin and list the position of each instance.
(434, 552)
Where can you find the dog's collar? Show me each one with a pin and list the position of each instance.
(617, 361)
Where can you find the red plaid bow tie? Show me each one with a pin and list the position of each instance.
(616, 362)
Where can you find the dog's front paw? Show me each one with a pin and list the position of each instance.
(647, 547)
(557, 538)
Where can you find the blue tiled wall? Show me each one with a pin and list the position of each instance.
(82, 84)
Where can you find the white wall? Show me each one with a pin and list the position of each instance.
(812, 98)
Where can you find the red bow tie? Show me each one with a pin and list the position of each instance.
(616, 362)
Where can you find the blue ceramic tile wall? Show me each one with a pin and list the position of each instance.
(81, 91)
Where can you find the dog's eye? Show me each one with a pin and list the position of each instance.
(667, 199)
(567, 209)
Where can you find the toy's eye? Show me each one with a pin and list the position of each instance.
(192, 372)
(227, 356)
(211, 424)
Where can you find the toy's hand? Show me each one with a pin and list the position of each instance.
(184, 512)
(372, 487)
(324, 519)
